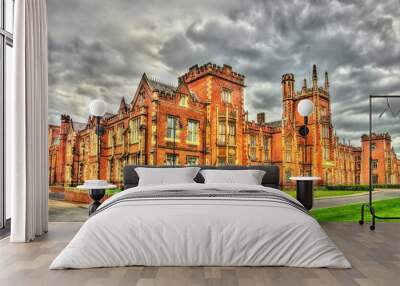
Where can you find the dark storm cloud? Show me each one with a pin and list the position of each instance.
(101, 48)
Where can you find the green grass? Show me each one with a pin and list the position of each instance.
(390, 207)
(328, 193)
(111, 192)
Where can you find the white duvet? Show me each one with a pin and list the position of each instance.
(200, 231)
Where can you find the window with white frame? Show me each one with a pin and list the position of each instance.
(253, 149)
(266, 148)
(171, 159)
(134, 126)
(193, 132)
(325, 131)
(232, 134)
(226, 95)
(374, 164)
(221, 133)
(172, 123)
(326, 152)
(183, 102)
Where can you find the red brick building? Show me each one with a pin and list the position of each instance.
(203, 121)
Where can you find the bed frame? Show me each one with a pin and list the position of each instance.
(270, 179)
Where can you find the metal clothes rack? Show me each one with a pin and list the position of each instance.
(369, 205)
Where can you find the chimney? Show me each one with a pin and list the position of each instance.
(193, 68)
(261, 118)
(227, 68)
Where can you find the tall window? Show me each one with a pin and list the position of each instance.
(326, 152)
(93, 143)
(253, 149)
(6, 43)
(110, 138)
(183, 102)
(193, 132)
(172, 123)
(266, 148)
(288, 151)
(119, 134)
(374, 164)
(325, 131)
(118, 170)
(171, 160)
(232, 134)
(226, 95)
(134, 125)
(221, 133)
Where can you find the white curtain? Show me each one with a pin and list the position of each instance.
(26, 120)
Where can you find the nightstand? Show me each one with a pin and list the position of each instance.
(304, 190)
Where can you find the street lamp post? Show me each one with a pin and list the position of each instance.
(304, 184)
(305, 108)
(98, 109)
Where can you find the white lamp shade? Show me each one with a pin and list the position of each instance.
(97, 107)
(305, 107)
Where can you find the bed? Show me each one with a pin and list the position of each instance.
(198, 224)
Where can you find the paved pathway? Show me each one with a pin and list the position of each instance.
(66, 211)
(332, 202)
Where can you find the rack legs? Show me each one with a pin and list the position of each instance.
(372, 212)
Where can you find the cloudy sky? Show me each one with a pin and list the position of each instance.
(100, 48)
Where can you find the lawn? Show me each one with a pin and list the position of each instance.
(328, 193)
(351, 212)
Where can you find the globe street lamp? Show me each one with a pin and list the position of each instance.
(305, 108)
(97, 109)
(97, 188)
(304, 184)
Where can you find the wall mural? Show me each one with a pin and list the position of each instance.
(220, 85)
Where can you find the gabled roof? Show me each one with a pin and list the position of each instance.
(108, 115)
(160, 86)
(78, 126)
(274, 124)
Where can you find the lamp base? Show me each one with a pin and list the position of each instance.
(96, 195)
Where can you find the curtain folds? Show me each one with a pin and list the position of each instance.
(27, 151)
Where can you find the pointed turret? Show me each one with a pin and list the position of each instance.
(326, 84)
(314, 77)
(305, 83)
(288, 86)
(122, 105)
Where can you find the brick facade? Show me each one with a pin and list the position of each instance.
(203, 121)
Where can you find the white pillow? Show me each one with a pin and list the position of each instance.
(166, 176)
(248, 177)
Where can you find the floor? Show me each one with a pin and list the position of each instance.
(375, 257)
